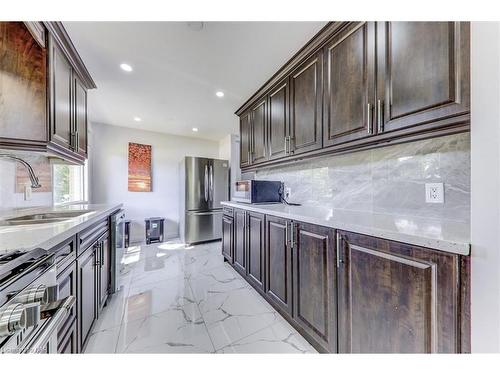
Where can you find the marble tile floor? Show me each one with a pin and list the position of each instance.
(178, 299)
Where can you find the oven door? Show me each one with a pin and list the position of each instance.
(55, 314)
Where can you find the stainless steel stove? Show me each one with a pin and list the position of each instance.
(30, 312)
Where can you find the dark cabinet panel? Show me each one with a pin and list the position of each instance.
(255, 249)
(278, 264)
(227, 237)
(87, 290)
(245, 131)
(258, 142)
(279, 122)
(69, 343)
(314, 283)
(68, 282)
(350, 85)
(104, 269)
(424, 70)
(396, 298)
(22, 86)
(80, 118)
(239, 255)
(305, 106)
(61, 91)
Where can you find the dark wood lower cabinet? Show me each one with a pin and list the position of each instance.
(69, 342)
(227, 237)
(104, 269)
(396, 298)
(239, 256)
(67, 281)
(87, 287)
(278, 253)
(255, 249)
(314, 283)
(352, 293)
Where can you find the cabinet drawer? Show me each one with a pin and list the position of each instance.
(67, 281)
(87, 237)
(227, 211)
(65, 253)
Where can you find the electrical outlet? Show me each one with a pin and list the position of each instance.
(434, 193)
(288, 192)
(27, 192)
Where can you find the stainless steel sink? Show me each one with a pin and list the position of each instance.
(43, 218)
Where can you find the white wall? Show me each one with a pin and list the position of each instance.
(485, 186)
(109, 171)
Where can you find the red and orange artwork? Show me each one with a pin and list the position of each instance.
(139, 167)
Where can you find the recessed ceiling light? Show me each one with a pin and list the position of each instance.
(195, 129)
(220, 94)
(126, 67)
(138, 119)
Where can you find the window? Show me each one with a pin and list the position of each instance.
(69, 183)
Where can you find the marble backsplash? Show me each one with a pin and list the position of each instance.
(386, 180)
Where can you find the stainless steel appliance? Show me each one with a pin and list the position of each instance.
(258, 191)
(30, 314)
(117, 248)
(205, 184)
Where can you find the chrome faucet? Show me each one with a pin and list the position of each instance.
(33, 178)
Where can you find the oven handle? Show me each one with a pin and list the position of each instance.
(53, 325)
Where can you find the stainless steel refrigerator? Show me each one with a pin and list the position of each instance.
(205, 183)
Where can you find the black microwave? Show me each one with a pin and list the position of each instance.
(258, 191)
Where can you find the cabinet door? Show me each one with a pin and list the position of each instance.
(423, 72)
(305, 106)
(314, 283)
(227, 237)
(258, 143)
(245, 130)
(396, 298)
(104, 271)
(278, 263)
(279, 122)
(350, 84)
(61, 83)
(69, 343)
(80, 110)
(239, 255)
(255, 249)
(67, 281)
(87, 290)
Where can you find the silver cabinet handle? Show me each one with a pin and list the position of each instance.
(286, 145)
(286, 233)
(369, 118)
(339, 261)
(380, 125)
(205, 180)
(292, 227)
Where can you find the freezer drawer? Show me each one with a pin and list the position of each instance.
(203, 226)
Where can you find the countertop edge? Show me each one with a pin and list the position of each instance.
(60, 237)
(459, 248)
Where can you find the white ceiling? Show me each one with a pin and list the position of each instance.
(177, 70)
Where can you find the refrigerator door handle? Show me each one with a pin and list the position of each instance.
(211, 184)
(206, 183)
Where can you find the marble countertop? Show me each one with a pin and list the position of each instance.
(31, 236)
(449, 236)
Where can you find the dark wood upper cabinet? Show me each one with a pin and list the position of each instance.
(423, 73)
(245, 132)
(22, 88)
(314, 283)
(258, 133)
(255, 249)
(396, 298)
(278, 263)
(279, 121)
(80, 117)
(227, 237)
(306, 93)
(61, 91)
(349, 85)
(239, 254)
